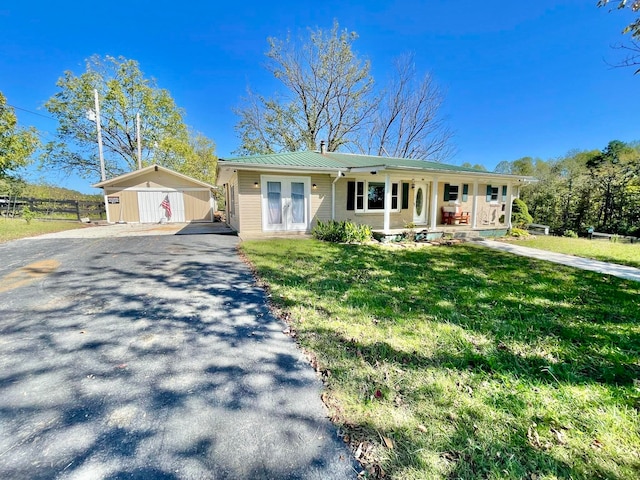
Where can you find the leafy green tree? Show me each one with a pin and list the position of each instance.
(631, 49)
(124, 92)
(475, 166)
(195, 158)
(17, 145)
(520, 216)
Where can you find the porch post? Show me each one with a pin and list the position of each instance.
(507, 210)
(474, 208)
(434, 204)
(387, 203)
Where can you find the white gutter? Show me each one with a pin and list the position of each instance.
(333, 194)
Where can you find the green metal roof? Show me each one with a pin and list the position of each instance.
(335, 160)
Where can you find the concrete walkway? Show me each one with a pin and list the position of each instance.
(620, 271)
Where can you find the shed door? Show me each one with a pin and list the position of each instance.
(152, 211)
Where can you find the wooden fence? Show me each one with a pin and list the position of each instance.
(49, 209)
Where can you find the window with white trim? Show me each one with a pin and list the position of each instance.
(492, 193)
(370, 196)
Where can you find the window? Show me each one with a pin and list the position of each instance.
(465, 192)
(492, 193)
(394, 196)
(450, 192)
(504, 193)
(274, 202)
(367, 196)
(360, 196)
(375, 196)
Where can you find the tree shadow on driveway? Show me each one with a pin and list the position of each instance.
(156, 357)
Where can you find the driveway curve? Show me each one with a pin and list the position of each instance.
(152, 357)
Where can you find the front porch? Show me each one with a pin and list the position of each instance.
(422, 233)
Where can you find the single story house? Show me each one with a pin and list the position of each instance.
(157, 194)
(290, 192)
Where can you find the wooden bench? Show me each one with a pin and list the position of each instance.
(454, 218)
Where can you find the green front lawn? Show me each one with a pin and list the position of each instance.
(620, 253)
(463, 362)
(12, 229)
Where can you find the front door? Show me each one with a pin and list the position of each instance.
(285, 203)
(420, 203)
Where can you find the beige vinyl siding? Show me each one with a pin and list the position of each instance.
(127, 209)
(197, 206)
(320, 198)
(489, 213)
(233, 219)
(249, 202)
(373, 219)
(158, 180)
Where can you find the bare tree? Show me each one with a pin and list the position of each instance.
(408, 121)
(327, 95)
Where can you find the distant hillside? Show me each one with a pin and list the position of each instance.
(57, 193)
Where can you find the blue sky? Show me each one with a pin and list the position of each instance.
(522, 78)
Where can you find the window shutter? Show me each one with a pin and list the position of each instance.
(351, 195)
(488, 193)
(405, 196)
(504, 193)
(446, 192)
(465, 192)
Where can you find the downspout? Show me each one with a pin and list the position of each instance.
(333, 194)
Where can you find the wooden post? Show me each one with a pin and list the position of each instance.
(78, 209)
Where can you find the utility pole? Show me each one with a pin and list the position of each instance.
(97, 119)
(139, 141)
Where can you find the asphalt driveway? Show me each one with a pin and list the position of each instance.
(151, 357)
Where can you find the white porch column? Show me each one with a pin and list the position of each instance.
(507, 210)
(387, 203)
(433, 216)
(474, 208)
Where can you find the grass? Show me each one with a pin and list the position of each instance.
(462, 362)
(12, 229)
(620, 253)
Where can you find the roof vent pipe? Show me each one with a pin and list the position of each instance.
(323, 147)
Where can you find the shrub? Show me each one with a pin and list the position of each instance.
(28, 214)
(520, 216)
(518, 232)
(570, 234)
(341, 232)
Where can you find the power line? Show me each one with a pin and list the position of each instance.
(29, 111)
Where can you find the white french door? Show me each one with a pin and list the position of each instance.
(420, 197)
(285, 203)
